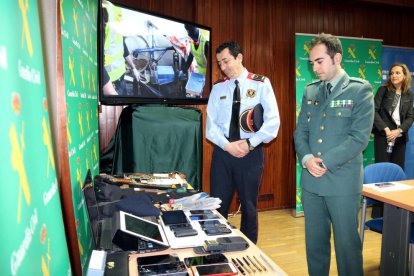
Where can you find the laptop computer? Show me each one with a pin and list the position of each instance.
(100, 226)
(105, 229)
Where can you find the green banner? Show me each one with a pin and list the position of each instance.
(32, 233)
(361, 58)
(79, 58)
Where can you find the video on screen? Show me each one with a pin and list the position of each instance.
(146, 57)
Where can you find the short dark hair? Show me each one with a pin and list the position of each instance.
(332, 43)
(233, 46)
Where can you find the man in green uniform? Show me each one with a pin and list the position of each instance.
(333, 129)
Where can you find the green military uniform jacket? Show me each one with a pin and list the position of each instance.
(337, 129)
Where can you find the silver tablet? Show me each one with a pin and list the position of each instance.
(142, 228)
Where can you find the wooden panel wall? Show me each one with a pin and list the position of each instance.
(266, 29)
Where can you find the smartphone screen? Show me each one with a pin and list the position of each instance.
(159, 259)
(200, 212)
(209, 223)
(174, 217)
(215, 269)
(204, 217)
(207, 259)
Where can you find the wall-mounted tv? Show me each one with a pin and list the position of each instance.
(148, 58)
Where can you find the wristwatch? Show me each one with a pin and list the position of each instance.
(250, 146)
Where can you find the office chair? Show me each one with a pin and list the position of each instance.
(378, 172)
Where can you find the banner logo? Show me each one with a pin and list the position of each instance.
(85, 40)
(46, 267)
(88, 121)
(361, 71)
(371, 54)
(95, 154)
(75, 19)
(82, 74)
(352, 51)
(297, 69)
(48, 143)
(80, 121)
(62, 14)
(17, 163)
(67, 129)
(79, 173)
(93, 83)
(71, 68)
(24, 6)
(306, 47)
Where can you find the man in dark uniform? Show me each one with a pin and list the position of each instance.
(333, 129)
(237, 162)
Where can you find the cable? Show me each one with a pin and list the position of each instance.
(232, 215)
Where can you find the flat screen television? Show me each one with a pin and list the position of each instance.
(148, 58)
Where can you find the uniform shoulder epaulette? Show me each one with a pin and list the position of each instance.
(314, 82)
(256, 77)
(222, 80)
(357, 80)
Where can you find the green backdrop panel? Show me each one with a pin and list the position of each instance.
(79, 58)
(32, 231)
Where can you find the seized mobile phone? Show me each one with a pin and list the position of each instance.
(174, 217)
(204, 217)
(210, 223)
(200, 212)
(217, 231)
(206, 259)
(166, 264)
(222, 269)
(181, 226)
(179, 233)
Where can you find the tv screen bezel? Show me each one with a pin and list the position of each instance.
(127, 100)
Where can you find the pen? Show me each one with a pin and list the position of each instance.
(267, 262)
(238, 266)
(264, 268)
(244, 267)
(248, 264)
(255, 265)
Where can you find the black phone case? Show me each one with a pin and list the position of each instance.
(179, 233)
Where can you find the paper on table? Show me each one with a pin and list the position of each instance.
(388, 186)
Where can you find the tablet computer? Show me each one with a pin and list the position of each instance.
(142, 228)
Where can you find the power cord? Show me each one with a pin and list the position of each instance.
(234, 214)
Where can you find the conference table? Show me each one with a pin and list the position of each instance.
(398, 209)
(254, 253)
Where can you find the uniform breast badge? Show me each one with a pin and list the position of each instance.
(251, 93)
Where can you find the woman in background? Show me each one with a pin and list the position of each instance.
(394, 115)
